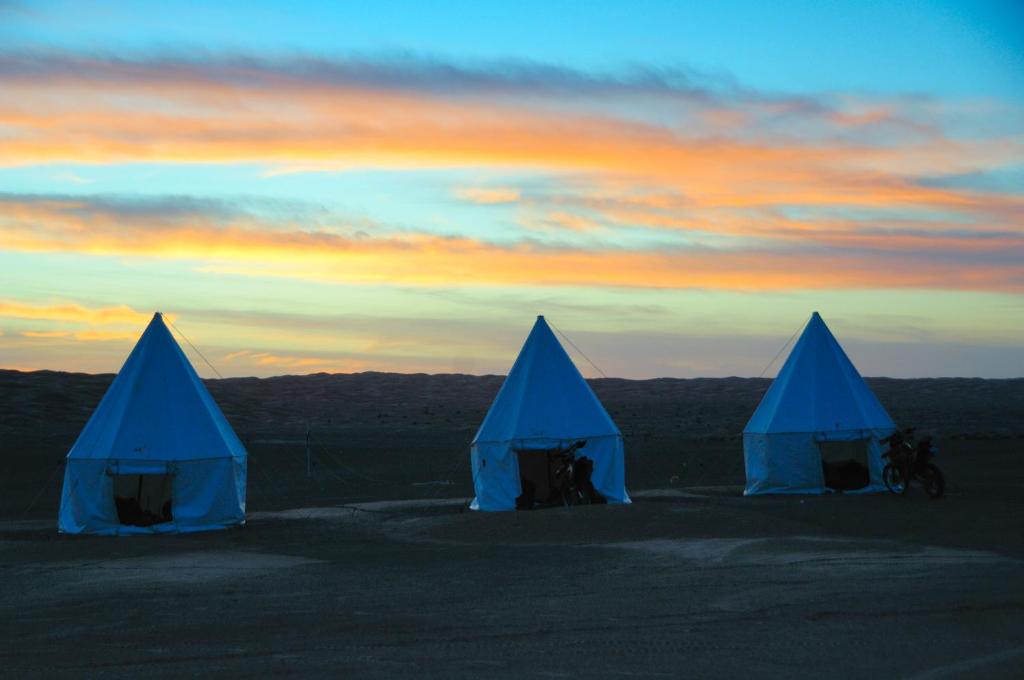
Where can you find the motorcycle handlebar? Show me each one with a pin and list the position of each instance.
(907, 431)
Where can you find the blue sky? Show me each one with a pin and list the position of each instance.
(936, 48)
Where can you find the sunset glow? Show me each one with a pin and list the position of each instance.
(675, 196)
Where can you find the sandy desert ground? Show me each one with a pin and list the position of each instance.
(372, 567)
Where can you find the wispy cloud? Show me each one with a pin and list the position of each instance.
(660, 178)
(262, 361)
(70, 322)
(722, 144)
(83, 336)
(46, 334)
(71, 312)
(488, 195)
(571, 221)
(104, 336)
(756, 189)
(238, 243)
(396, 74)
(72, 178)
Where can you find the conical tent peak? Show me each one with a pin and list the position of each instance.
(544, 396)
(158, 322)
(818, 390)
(816, 324)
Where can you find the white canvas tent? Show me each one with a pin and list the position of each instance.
(157, 455)
(818, 401)
(544, 403)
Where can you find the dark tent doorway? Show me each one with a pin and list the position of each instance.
(534, 476)
(844, 464)
(143, 500)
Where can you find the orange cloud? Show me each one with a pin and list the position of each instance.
(751, 184)
(252, 248)
(571, 221)
(70, 312)
(103, 336)
(716, 173)
(480, 264)
(46, 334)
(305, 364)
(312, 117)
(868, 233)
(488, 196)
(83, 336)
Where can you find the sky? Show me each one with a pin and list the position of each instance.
(404, 186)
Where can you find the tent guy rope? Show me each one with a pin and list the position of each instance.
(196, 349)
(566, 338)
(783, 348)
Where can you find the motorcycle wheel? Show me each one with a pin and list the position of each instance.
(934, 483)
(893, 479)
(568, 497)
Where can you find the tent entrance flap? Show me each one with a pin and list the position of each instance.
(844, 464)
(144, 500)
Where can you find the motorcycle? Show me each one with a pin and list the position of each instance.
(908, 462)
(568, 479)
(563, 477)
